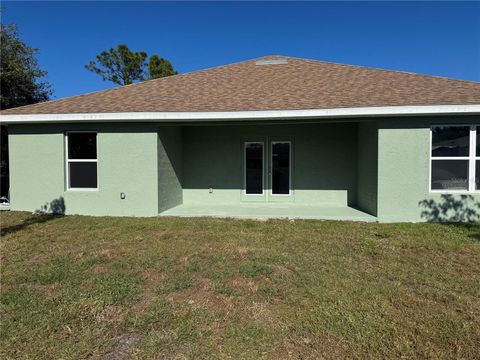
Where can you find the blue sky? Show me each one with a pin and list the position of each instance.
(437, 38)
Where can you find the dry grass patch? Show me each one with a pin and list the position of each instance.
(118, 288)
(202, 295)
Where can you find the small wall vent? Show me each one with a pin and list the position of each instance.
(279, 61)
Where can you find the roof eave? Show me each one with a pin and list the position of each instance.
(354, 112)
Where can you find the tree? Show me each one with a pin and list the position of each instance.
(123, 66)
(20, 73)
(20, 84)
(159, 67)
(119, 65)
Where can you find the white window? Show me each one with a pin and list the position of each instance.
(81, 164)
(454, 154)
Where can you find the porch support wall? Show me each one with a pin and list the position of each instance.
(170, 154)
(367, 167)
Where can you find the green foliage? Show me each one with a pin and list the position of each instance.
(119, 65)
(123, 66)
(159, 67)
(20, 73)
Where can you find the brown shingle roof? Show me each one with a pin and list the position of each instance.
(298, 84)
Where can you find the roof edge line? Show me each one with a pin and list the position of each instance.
(409, 110)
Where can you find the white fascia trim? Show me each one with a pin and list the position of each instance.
(244, 115)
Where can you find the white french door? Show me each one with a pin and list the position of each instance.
(267, 170)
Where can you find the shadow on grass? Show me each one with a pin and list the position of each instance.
(474, 228)
(34, 219)
(54, 209)
(460, 211)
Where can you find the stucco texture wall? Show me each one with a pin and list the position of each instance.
(403, 173)
(367, 166)
(127, 162)
(324, 162)
(157, 167)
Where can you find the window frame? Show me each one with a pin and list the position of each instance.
(68, 161)
(475, 156)
(471, 158)
(245, 144)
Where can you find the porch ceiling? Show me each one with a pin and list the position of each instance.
(270, 211)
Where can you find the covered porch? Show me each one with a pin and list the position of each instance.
(269, 170)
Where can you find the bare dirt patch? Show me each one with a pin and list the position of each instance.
(122, 349)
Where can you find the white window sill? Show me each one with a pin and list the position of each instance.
(83, 189)
(477, 192)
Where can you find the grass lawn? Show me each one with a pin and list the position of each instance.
(160, 288)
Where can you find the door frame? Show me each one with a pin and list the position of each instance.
(290, 197)
(254, 197)
(267, 195)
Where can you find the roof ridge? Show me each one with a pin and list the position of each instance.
(381, 69)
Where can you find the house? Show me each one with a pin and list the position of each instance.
(270, 137)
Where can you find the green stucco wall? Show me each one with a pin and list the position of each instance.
(367, 152)
(170, 151)
(379, 167)
(324, 161)
(127, 162)
(403, 172)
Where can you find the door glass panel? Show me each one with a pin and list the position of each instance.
(254, 168)
(281, 168)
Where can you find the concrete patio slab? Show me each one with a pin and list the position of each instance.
(270, 211)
